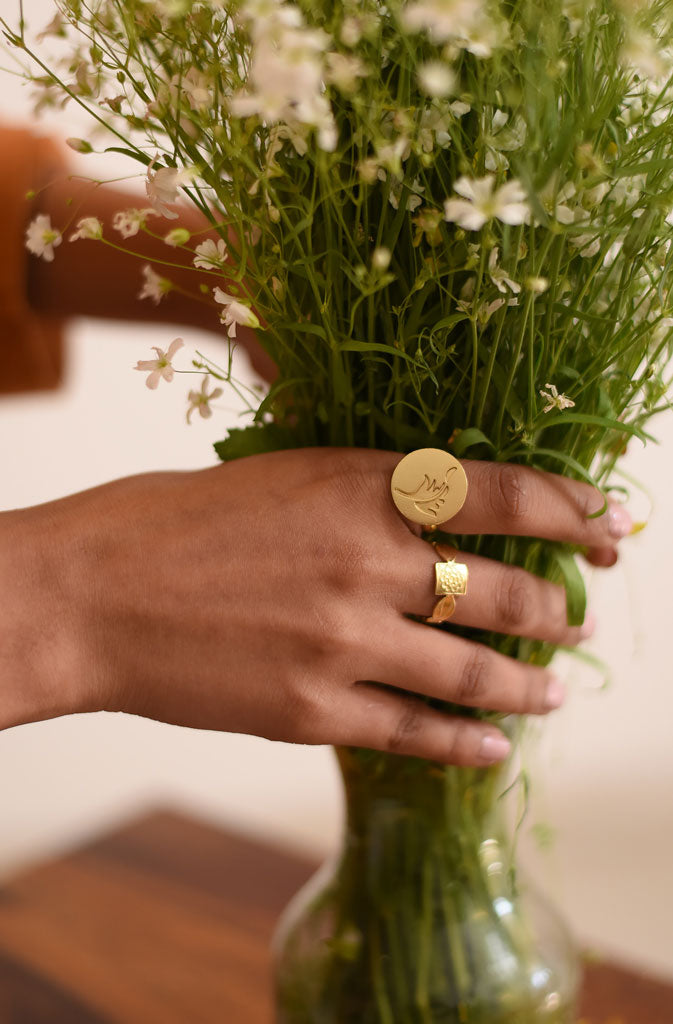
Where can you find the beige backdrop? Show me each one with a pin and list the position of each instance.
(604, 770)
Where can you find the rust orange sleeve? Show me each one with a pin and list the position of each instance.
(31, 346)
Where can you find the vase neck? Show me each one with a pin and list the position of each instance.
(388, 793)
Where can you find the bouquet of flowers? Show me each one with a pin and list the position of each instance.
(450, 222)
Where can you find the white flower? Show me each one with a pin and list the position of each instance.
(210, 256)
(459, 108)
(487, 309)
(483, 201)
(498, 275)
(195, 86)
(642, 52)
(413, 192)
(463, 22)
(268, 16)
(234, 312)
(42, 238)
(88, 227)
(343, 71)
(503, 137)
(391, 156)
(587, 244)
(354, 27)
(381, 258)
(160, 367)
(592, 197)
(286, 79)
(555, 199)
(554, 400)
(436, 78)
(129, 222)
(295, 134)
(162, 187)
(154, 287)
(201, 400)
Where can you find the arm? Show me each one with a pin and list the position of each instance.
(272, 591)
(89, 278)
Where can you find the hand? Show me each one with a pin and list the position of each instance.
(265, 595)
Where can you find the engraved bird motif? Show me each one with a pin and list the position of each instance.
(430, 494)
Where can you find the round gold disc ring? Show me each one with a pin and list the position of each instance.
(429, 486)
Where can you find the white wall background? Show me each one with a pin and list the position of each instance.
(604, 767)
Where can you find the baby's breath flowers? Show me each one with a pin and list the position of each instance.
(482, 200)
(199, 401)
(162, 186)
(432, 207)
(42, 238)
(210, 255)
(154, 286)
(160, 368)
(88, 227)
(554, 399)
(234, 313)
(129, 222)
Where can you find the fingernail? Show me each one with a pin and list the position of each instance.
(555, 694)
(588, 626)
(494, 747)
(620, 523)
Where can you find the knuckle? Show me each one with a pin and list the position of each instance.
(514, 604)
(307, 709)
(351, 563)
(473, 682)
(455, 744)
(533, 692)
(509, 495)
(407, 727)
(338, 630)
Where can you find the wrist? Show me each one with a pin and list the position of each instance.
(40, 674)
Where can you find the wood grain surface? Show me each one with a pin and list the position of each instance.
(168, 920)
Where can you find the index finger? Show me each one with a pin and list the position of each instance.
(504, 498)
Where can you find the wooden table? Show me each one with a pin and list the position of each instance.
(167, 921)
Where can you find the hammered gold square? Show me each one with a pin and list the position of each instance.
(450, 578)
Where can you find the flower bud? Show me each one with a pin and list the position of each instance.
(79, 145)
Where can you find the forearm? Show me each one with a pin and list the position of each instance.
(38, 676)
(91, 278)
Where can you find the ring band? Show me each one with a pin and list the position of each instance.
(450, 582)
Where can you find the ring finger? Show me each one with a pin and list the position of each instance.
(501, 598)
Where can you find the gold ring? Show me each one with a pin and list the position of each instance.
(450, 582)
(429, 486)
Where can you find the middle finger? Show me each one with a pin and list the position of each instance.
(504, 498)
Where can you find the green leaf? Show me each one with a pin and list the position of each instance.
(404, 435)
(142, 158)
(599, 421)
(375, 346)
(305, 327)
(468, 438)
(576, 594)
(275, 390)
(571, 463)
(255, 440)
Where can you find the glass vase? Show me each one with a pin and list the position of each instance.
(421, 918)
